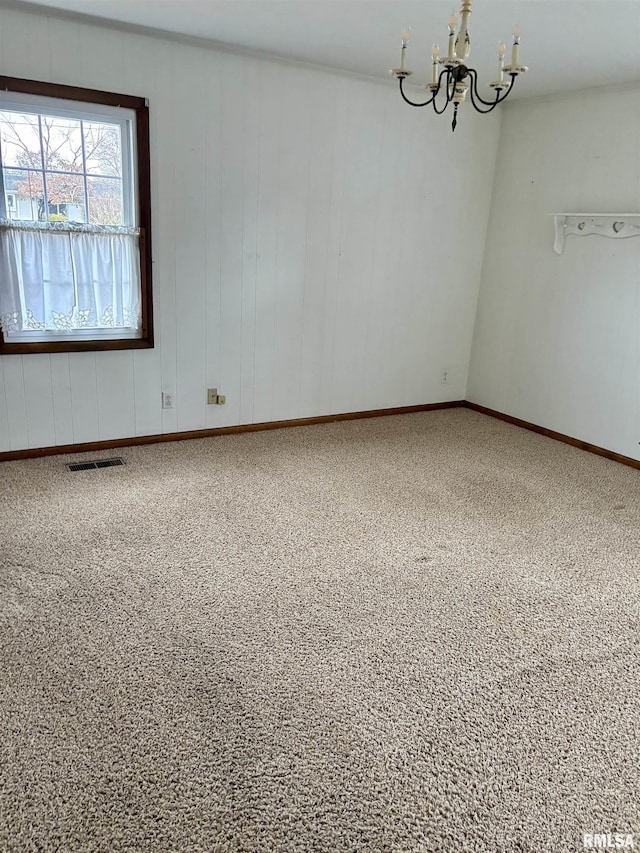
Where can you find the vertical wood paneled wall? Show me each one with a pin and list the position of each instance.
(557, 338)
(317, 244)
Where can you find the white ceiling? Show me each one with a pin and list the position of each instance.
(568, 44)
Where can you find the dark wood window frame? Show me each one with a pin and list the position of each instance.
(143, 188)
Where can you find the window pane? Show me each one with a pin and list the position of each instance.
(61, 143)
(66, 191)
(24, 194)
(105, 201)
(20, 140)
(103, 149)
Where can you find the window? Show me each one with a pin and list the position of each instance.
(75, 248)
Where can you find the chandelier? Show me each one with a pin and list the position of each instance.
(456, 78)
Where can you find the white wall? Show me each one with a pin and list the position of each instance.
(306, 230)
(557, 337)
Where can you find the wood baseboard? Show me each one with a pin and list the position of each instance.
(558, 436)
(92, 446)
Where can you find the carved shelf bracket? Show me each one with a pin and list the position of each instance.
(615, 225)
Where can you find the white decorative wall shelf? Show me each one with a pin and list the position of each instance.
(616, 225)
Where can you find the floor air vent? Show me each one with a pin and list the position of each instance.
(109, 463)
(99, 463)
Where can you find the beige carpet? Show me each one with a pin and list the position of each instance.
(416, 633)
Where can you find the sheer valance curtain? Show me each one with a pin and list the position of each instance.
(60, 277)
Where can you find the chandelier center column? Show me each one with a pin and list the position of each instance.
(463, 41)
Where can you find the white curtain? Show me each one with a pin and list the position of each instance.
(59, 279)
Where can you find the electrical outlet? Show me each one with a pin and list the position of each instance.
(444, 377)
(212, 396)
(221, 399)
(167, 400)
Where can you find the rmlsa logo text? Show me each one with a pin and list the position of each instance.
(608, 841)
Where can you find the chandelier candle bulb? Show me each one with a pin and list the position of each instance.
(516, 45)
(403, 51)
(501, 50)
(434, 64)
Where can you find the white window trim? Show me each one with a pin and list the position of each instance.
(114, 334)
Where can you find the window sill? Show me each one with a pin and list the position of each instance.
(96, 345)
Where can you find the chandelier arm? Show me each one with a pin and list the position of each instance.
(444, 108)
(476, 97)
(508, 91)
(491, 104)
(412, 103)
(451, 86)
(449, 91)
